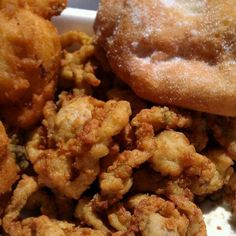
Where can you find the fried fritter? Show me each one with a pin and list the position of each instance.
(30, 59)
(44, 8)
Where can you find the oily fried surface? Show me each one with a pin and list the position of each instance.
(44, 8)
(30, 58)
(8, 168)
(76, 137)
(183, 54)
(102, 161)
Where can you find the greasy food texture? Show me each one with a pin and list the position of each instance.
(182, 54)
(8, 168)
(75, 138)
(30, 59)
(44, 8)
(100, 161)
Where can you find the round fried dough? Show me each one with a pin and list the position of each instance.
(173, 52)
(29, 63)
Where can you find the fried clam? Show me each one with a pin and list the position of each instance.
(153, 215)
(65, 151)
(8, 167)
(30, 59)
(88, 215)
(41, 225)
(78, 67)
(117, 180)
(173, 155)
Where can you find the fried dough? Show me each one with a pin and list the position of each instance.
(174, 52)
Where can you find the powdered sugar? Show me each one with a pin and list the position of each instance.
(168, 3)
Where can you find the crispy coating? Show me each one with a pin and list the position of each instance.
(196, 222)
(78, 70)
(25, 188)
(117, 181)
(77, 136)
(84, 211)
(174, 156)
(30, 60)
(44, 8)
(162, 118)
(8, 168)
(36, 225)
(119, 218)
(155, 216)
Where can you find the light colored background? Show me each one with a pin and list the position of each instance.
(84, 4)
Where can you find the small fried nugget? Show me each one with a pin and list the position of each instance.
(155, 216)
(117, 181)
(85, 212)
(162, 118)
(78, 68)
(77, 136)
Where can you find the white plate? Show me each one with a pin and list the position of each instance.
(217, 218)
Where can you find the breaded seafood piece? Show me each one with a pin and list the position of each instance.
(117, 180)
(44, 8)
(156, 216)
(85, 212)
(162, 118)
(8, 167)
(65, 151)
(172, 155)
(41, 225)
(30, 59)
(182, 54)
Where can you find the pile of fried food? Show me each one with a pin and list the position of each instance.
(81, 154)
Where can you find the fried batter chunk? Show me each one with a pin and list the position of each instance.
(8, 168)
(119, 218)
(117, 181)
(30, 58)
(84, 211)
(66, 150)
(162, 118)
(78, 70)
(155, 216)
(174, 156)
(41, 225)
